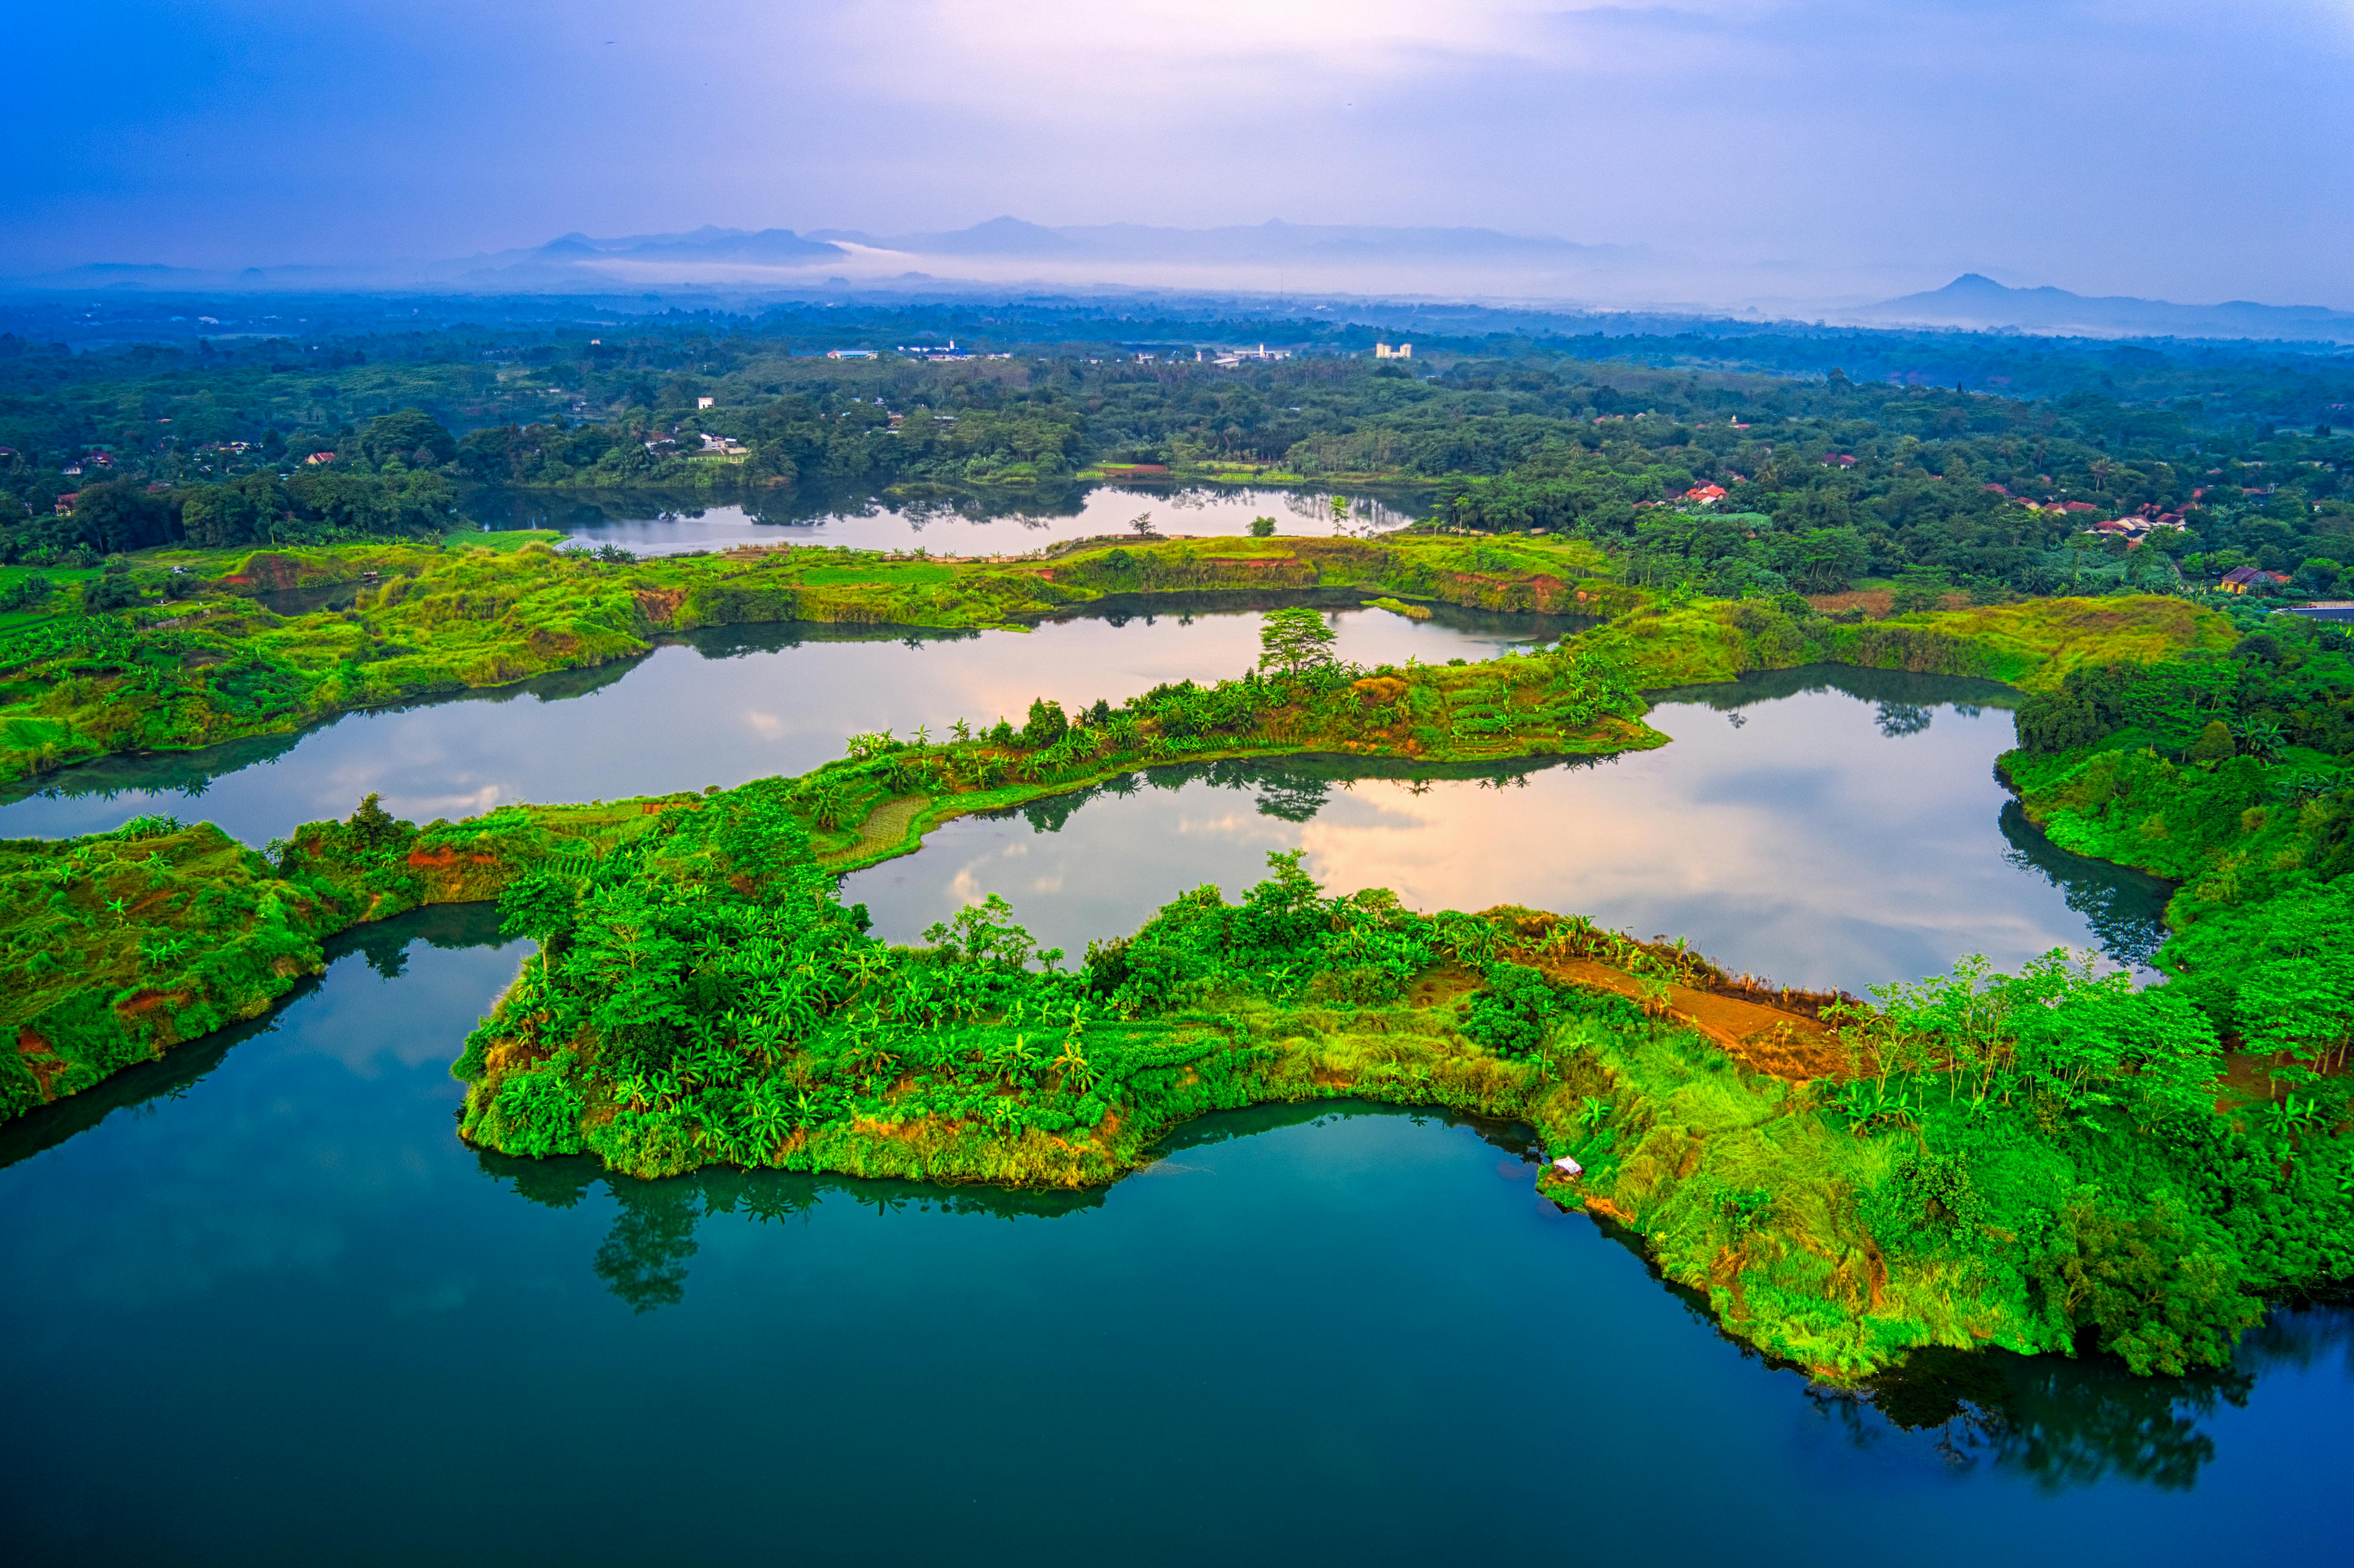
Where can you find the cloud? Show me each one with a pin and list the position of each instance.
(1838, 145)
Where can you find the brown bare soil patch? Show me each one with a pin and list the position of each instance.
(659, 605)
(447, 858)
(269, 571)
(2247, 1081)
(1876, 602)
(1786, 1045)
(1606, 1209)
(147, 1001)
(44, 1063)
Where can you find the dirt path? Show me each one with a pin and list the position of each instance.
(1785, 1044)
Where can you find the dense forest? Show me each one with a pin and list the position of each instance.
(1829, 475)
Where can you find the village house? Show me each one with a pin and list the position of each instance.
(2240, 579)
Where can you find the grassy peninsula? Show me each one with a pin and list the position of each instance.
(2042, 1161)
(192, 654)
(2036, 1162)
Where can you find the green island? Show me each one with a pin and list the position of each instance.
(2031, 1162)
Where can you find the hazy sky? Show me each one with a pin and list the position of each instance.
(2189, 150)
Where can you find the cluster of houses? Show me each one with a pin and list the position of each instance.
(1229, 357)
(2133, 528)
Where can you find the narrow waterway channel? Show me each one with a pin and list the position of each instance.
(719, 706)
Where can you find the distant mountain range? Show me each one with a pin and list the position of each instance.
(1980, 302)
(1268, 259)
(1274, 241)
(1012, 239)
(1312, 257)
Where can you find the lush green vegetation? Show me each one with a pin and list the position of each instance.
(2030, 1162)
(1839, 462)
(2033, 1161)
(118, 947)
(2020, 1161)
(1681, 640)
(189, 653)
(185, 655)
(2233, 774)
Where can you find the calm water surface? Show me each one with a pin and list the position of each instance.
(264, 1308)
(726, 705)
(1842, 835)
(268, 1310)
(967, 526)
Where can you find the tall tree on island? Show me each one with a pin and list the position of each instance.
(1295, 640)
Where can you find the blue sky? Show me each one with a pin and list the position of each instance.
(2193, 151)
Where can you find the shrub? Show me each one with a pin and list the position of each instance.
(1509, 1013)
(1048, 724)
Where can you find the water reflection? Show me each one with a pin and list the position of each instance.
(295, 1229)
(2067, 1423)
(2057, 1421)
(717, 707)
(1817, 843)
(1889, 691)
(644, 1256)
(383, 949)
(2125, 909)
(940, 519)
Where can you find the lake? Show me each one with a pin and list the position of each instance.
(933, 518)
(1829, 828)
(263, 1306)
(268, 1310)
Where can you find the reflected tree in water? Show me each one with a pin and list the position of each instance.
(644, 1256)
(2125, 909)
(643, 1259)
(2060, 1421)
(1897, 720)
(1293, 799)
